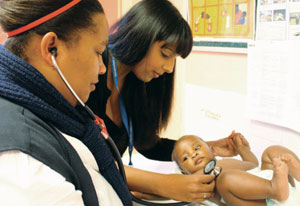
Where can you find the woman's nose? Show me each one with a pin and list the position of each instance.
(169, 66)
(102, 68)
(168, 69)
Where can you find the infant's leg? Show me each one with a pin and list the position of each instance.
(227, 184)
(238, 187)
(293, 165)
(227, 188)
(289, 157)
(279, 182)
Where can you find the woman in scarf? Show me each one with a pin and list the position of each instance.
(51, 151)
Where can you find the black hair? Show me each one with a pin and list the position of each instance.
(145, 23)
(148, 104)
(17, 13)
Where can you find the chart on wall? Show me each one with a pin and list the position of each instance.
(273, 85)
(222, 18)
(278, 20)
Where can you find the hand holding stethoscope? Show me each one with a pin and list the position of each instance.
(210, 168)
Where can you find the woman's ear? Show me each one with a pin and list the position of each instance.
(49, 47)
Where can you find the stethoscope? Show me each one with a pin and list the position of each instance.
(210, 168)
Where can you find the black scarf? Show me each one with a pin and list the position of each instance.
(26, 86)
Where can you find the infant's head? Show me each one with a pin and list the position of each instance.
(191, 154)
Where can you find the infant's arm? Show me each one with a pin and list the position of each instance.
(249, 160)
(243, 149)
(229, 164)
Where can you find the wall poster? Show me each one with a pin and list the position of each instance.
(222, 18)
(220, 25)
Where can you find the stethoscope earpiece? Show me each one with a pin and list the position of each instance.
(53, 51)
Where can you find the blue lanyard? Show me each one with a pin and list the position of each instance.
(127, 122)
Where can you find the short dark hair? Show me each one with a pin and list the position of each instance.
(149, 104)
(174, 155)
(17, 13)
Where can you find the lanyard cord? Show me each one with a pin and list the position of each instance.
(128, 125)
(127, 122)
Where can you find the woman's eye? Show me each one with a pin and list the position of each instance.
(99, 53)
(197, 147)
(165, 55)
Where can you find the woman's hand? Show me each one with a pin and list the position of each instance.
(224, 147)
(189, 188)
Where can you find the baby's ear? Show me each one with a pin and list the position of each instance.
(179, 170)
(183, 172)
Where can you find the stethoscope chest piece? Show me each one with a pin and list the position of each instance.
(212, 169)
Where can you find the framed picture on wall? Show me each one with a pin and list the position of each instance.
(222, 25)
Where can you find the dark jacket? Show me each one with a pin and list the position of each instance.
(22, 130)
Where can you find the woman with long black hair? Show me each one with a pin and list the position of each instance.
(138, 89)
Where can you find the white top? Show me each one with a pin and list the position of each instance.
(28, 182)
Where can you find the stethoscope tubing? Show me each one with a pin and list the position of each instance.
(110, 141)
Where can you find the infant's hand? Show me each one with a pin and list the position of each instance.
(240, 142)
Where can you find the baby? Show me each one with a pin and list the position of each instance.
(234, 184)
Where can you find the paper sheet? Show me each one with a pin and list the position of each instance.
(274, 83)
(278, 20)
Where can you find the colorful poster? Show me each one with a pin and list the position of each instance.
(222, 18)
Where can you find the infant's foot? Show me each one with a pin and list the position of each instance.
(280, 180)
(293, 165)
